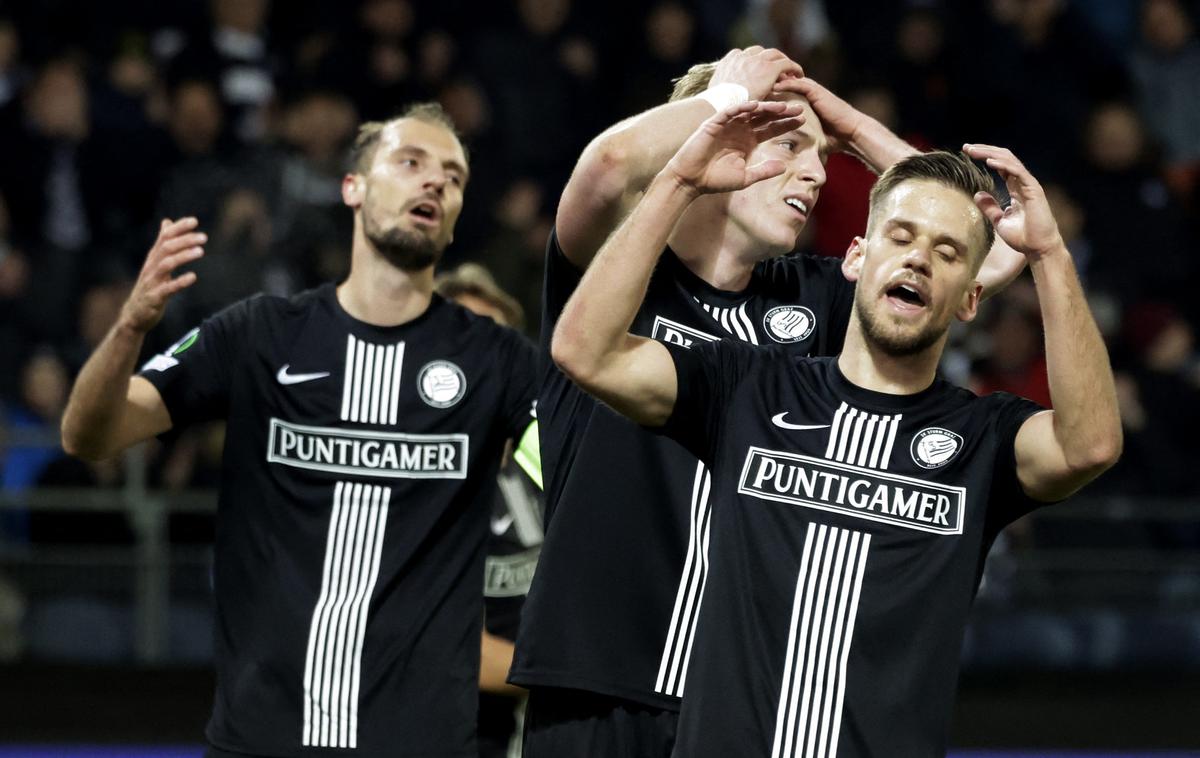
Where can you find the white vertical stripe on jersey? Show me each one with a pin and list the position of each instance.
(736, 324)
(741, 311)
(841, 640)
(868, 436)
(385, 382)
(395, 400)
(309, 683)
(847, 427)
(379, 513)
(789, 661)
(835, 430)
(371, 385)
(346, 378)
(354, 374)
(368, 387)
(695, 615)
(859, 423)
(691, 587)
(891, 438)
(824, 608)
(860, 570)
(334, 660)
(881, 435)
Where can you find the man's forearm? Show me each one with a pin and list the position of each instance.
(642, 145)
(596, 320)
(1082, 390)
(99, 394)
(877, 146)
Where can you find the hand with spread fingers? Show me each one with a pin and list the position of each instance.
(716, 158)
(178, 244)
(1027, 224)
(757, 69)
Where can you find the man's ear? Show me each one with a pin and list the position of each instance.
(352, 190)
(853, 262)
(969, 307)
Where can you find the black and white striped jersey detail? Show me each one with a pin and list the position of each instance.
(809, 715)
(733, 320)
(371, 387)
(333, 663)
(861, 438)
(672, 669)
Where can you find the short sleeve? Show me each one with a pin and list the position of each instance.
(519, 359)
(193, 375)
(1008, 501)
(562, 277)
(707, 377)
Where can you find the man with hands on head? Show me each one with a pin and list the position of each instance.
(611, 617)
(854, 498)
(365, 426)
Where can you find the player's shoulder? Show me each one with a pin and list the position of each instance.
(794, 268)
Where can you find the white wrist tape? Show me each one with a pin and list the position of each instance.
(726, 95)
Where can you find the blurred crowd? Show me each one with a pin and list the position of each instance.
(114, 115)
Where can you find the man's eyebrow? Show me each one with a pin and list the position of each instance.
(938, 239)
(422, 152)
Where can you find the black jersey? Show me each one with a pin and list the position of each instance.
(614, 603)
(358, 474)
(849, 533)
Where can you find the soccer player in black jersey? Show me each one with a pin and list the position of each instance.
(854, 498)
(611, 617)
(365, 425)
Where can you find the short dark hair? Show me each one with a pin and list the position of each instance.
(367, 139)
(954, 170)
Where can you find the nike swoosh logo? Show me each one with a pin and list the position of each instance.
(778, 421)
(283, 377)
(501, 525)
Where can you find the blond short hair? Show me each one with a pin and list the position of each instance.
(476, 281)
(362, 153)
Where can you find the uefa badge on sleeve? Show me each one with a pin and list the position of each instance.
(935, 447)
(441, 384)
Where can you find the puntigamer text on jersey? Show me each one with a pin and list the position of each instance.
(347, 451)
(852, 490)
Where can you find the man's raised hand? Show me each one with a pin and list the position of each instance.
(716, 158)
(1027, 224)
(177, 245)
(756, 68)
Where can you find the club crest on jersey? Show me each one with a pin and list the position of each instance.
(789, 323)
(441, 384)
(935, 447)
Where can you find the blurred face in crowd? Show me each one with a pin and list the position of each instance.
(773, 212)
(410, 195)
(1165, 25)
(243, 15)
(915, 269)
(196, 119)
(58, 102)
(1115, 140)
(44, 385)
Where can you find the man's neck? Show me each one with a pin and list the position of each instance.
(713, 248)
(378, 293)
(866, 365)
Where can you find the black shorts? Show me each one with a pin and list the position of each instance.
(575, 724)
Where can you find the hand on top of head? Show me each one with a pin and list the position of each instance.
(178, 244)
(716, 158)
(1027, 224)
(839, 119)
(756, 68)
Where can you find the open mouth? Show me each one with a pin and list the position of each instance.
(906, 297)
(797, 205)
(426, 212)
